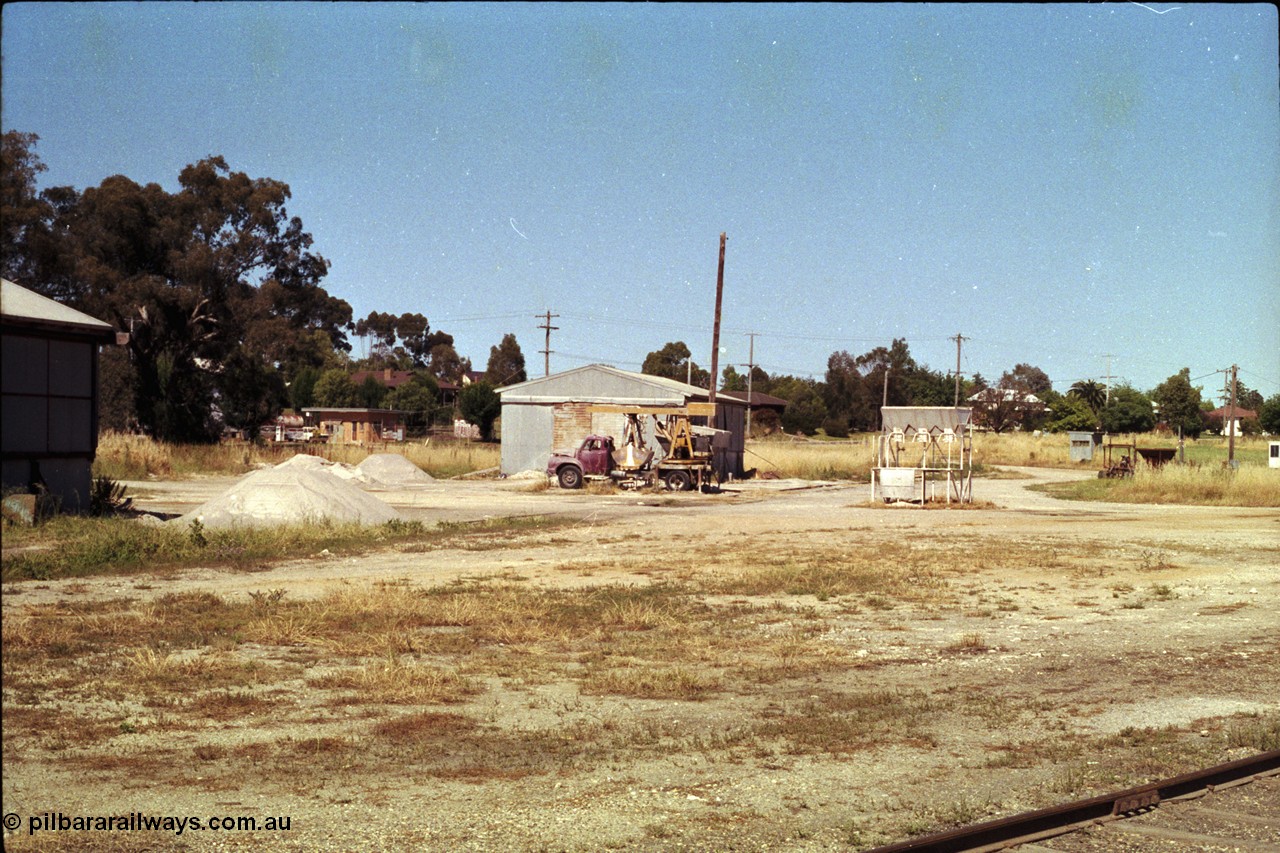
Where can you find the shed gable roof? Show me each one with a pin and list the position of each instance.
(20, 305)
(601, 383)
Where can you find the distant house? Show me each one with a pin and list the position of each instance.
(387, 376)
(994, 396)
(1001, 408)
(757, 401)
(449, 390)
(49, 358)
(356, 426)
(1227, 419)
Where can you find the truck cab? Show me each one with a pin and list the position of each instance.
(593, 458)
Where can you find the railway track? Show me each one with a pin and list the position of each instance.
(1217, 809)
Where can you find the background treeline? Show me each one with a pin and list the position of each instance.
(220, 292)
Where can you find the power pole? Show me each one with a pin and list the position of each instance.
(546, 353)
(751, 368)
(1108, 357)
(958, 338)
(1231, 420)
(715, 334)
(884, 398)
(1226, 398)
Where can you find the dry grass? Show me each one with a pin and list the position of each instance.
(132, 457)
(812, 460)
(1202, 485)
(775, 658)
(76, 546)
(1206, 485)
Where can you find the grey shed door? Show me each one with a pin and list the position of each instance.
(526, 437)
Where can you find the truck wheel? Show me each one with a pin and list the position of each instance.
(679, 481)
(570, 477)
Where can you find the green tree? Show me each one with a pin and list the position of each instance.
(1179, 403)
(1247, 398)
(732, 380)
(302, 391)
(844, 395)
(1069, 412)
(1269, 415)
(446, 365)
(506, 363)
(674, 361)
(24, 214)
(1090, 392)
(250, 393)
(480, 404)
(372, 392)
(334, 389)
(414, 332)
(1128, 411)
(1003, 409)
(805, 410)
(418, 397)
(116, 382)
(195, 275)
(1027, 379)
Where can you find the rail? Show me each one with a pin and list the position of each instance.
(1060, 819)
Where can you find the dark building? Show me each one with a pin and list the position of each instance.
(49, 367)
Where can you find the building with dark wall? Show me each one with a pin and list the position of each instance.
(49, 382)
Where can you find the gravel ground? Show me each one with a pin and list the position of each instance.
(1169, 623)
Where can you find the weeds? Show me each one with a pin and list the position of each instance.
(133, 457)
(70, 546)
(1251, 486)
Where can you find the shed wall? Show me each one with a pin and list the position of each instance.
(48, 425)
(526, 437)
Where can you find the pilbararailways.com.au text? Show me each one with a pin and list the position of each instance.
(140, 822)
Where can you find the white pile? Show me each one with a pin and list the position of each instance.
(391, 469)
(303, 489)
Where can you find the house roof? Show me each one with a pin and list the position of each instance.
(988, 395)
(1238, 413)
(757, 399)
(389, 378)
(28, 308)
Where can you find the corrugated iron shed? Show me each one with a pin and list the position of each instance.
(553, 413)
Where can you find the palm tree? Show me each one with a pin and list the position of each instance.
(1091, 392)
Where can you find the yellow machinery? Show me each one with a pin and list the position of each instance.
(687, 450)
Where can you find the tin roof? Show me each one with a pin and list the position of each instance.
(26, 307)
(597, 381)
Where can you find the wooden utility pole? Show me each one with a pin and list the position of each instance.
(958, 338)
(715, 334)
(546, 351)
(1231, 420)
(1108, 357)
(1226, 398)
(751, 368)
(884, 399)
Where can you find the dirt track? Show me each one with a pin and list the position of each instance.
(1122, 618)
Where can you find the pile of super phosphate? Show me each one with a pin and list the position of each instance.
(303, 489)
(393, 470)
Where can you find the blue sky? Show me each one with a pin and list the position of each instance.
(1058, 183)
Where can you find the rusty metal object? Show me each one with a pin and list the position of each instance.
(1057, 820)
